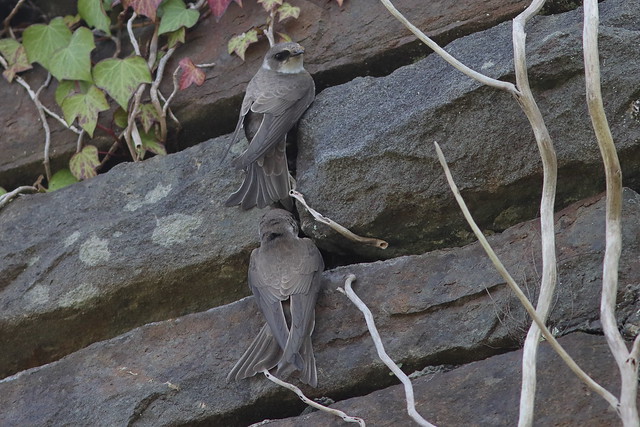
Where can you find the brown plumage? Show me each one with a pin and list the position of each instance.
(276, 98)
(285, 266)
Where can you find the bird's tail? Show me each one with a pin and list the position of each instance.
(267, 181)
(263, 353)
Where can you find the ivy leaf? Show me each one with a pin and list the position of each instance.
(71, 20)
(190, 74)
(284, 37)
(150, 143)
(61, 179)
(85, 107)
(83, 164)
(219, 7)
(176, 15)
(41, 41)
(92, 11)
(73, 62)
(240, 43)
(287, 11)
(175, 37)
(120, 118)
(121, 77)
(147, 8)
(68, 87)
(270, 5)
(16, 57)
(148, 116)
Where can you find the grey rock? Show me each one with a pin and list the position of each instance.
(141, 243)
(360, 39)
(445, 307)
(487, 392)
(366, 157)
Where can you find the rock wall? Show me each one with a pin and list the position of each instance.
(121, 296)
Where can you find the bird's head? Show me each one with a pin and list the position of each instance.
(284, 58)
(276, 223)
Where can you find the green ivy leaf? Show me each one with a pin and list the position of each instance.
(16, 57)
(83, 164)
(175, 37)
(2, 191)
(240, 43)
(70, 87)
(150, 143)
(73, 62)
(148, 116)
(121, 118)
(287, 11)
(71, 20)
(92, 11)
(61, 179)
(270, 5)
(85, 107)
(284, 37)
(121, 77)
(41, 41)
(176, 15)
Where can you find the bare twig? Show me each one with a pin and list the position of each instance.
(269, 30)
(310, 402)
(7, 197)
(132, 37)
(45, 125)
(382, 354)
(79, 142)
(509, 87)
(550, 178)
(6, 24)
(606, 395)
(173, 93)
(153, 93)
(337, 227)
(627, 365)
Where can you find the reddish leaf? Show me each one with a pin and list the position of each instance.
(190, 74)
(219, 7)
(339, 2)
(147, 8)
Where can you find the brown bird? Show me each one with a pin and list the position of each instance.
(276, 98)
(285, 266)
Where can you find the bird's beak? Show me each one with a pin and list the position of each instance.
(298, 51)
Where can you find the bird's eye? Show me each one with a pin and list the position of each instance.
(281, 56)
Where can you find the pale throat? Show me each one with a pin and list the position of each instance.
(291, 66)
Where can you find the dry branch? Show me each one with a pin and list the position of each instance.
(378, 243)
(627, 363)
(382, 354)
(606, 395)
(310, 402)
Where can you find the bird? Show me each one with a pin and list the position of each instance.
(284, 267)
(275, 99)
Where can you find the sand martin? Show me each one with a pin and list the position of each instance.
(284, 267)
(276, 97)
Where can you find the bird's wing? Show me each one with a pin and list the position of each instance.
(267, 298)
(303, 301)
(281, 105)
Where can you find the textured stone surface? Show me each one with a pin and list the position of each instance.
(445, 307)
(365, 149)
(486, 393)
(146, 242)
(358, 39)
